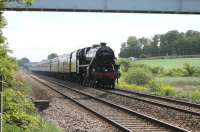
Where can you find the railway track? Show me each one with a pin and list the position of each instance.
(185, 107)
(123, 118)
(188, 108)
(167, 112)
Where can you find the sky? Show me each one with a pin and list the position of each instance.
(37, 34)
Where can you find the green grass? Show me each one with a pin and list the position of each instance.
(170, 63)
(180, 80)
(47, 127)
(195, 95)
(124, 85)
(11, 128)
(181, 83)
(186, 87)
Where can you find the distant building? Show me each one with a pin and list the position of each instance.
(132, 58)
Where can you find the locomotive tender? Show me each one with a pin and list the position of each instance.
(91, 66)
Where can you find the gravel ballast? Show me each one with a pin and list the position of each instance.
(71, 117)
(67, 115)
(110, 111)
(181, 119)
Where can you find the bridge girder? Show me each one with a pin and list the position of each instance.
(138, 6)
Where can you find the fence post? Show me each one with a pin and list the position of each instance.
(1, 106)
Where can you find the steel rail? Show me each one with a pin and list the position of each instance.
(154, 103)
(161, 123)
(161, 98)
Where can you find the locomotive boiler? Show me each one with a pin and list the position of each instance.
(91, 66)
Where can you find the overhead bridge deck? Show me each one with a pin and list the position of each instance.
(118, 6)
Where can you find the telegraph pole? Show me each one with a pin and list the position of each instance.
(1, 105)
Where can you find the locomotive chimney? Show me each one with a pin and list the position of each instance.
(95, 45)
(103, 44)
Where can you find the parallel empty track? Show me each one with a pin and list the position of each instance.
(125, 119)
(190, 108)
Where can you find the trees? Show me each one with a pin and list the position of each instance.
(52, 55)
(19, 113)
(170, 43)
(8, 65)
(133, 47)
(23, 61)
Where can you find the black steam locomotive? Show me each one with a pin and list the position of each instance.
(91, 66)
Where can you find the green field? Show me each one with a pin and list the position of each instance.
(170, 63)
(184, 83)
(181, 83)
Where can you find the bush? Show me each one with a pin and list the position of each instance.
(8, 68)
(189, 70)
(44, 127)
(175, 72)
(125, 64)
(17, 101)
(157, 70)
(139, 76)
(160, 88)
(195, 95)
(153, 86)
(167, 90)
(197, 72)
(22, 119)
(143, 56)
(19, 110)
(144, 66)
(124, 85)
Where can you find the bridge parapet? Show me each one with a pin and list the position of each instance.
(138, 6)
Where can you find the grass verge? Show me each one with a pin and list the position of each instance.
(20, 115)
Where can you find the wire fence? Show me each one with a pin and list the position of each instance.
(1, 109)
